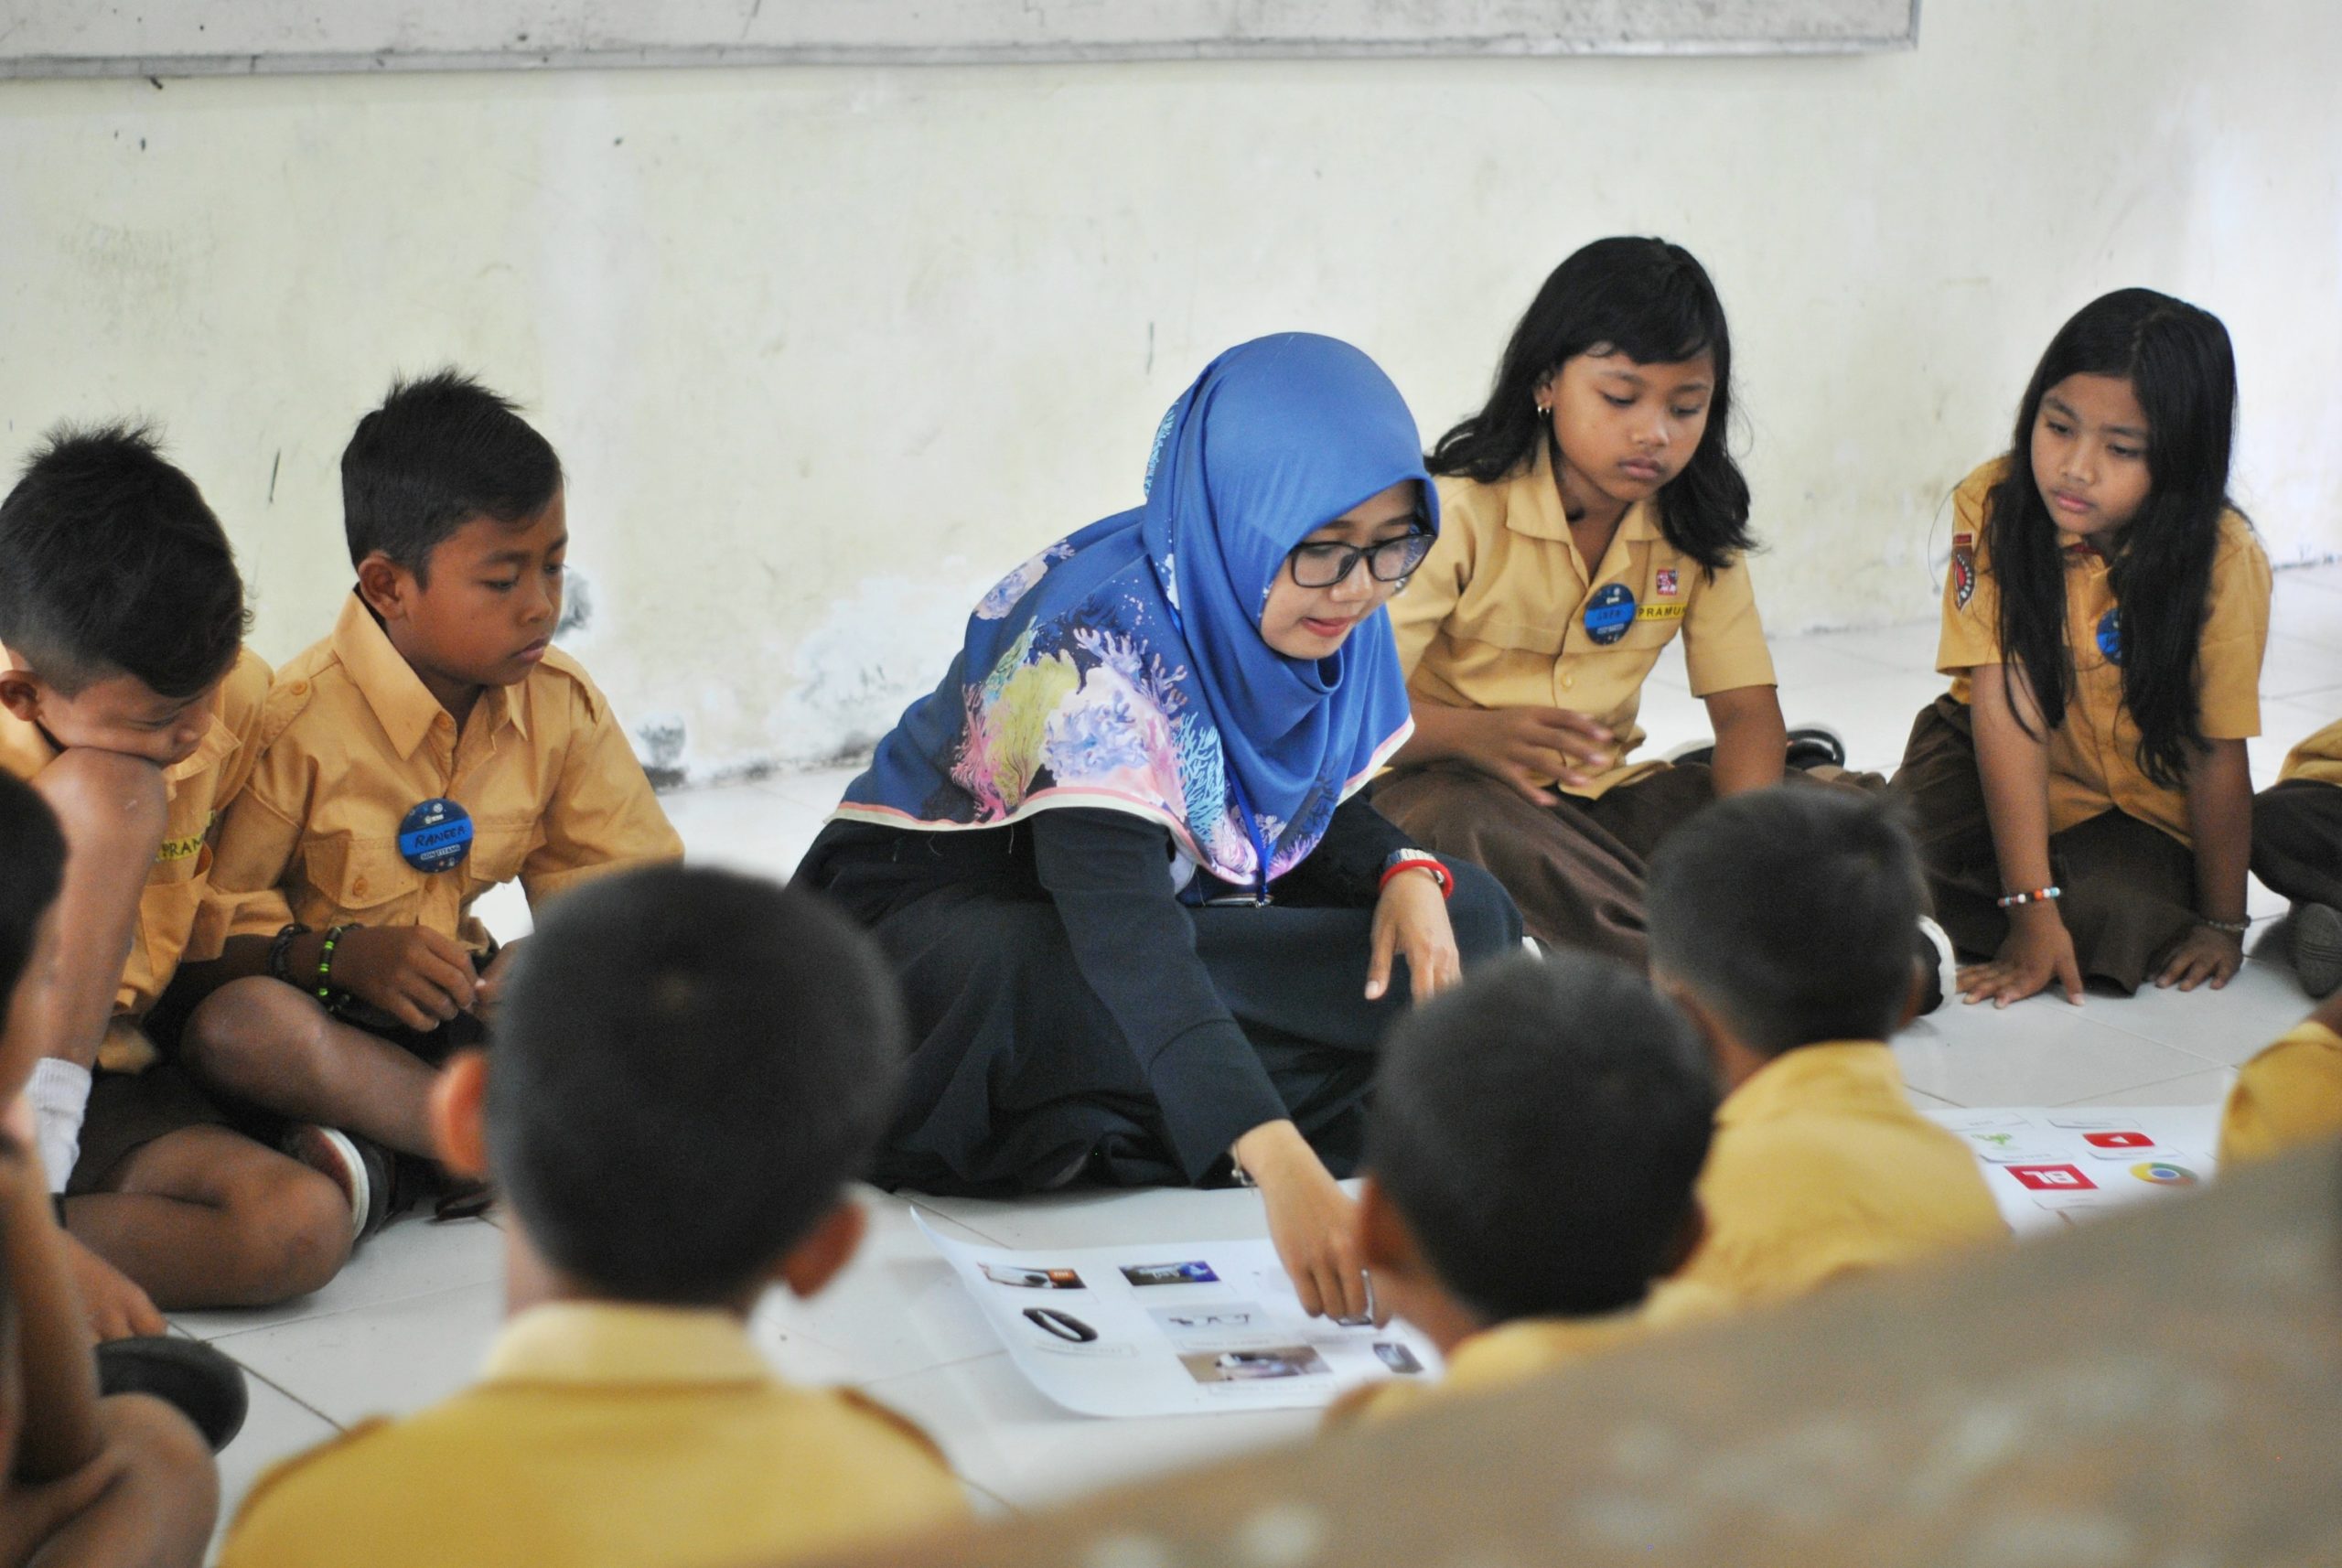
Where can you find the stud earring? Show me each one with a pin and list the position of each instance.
(1544, 411)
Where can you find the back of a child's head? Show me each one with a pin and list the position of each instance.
(1540, 1129)
(1651, 301)
(689, 1066)
(1792, 914)
(32, 870)
(2182, 370)
(441, 451)
(112, 565)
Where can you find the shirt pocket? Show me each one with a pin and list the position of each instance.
(501, 847)
(365, 881)
(1503, 621)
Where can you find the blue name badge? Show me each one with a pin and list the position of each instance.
(2110, 636)
(436, 835)
(1609, 612)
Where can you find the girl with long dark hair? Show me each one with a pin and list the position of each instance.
(2081, 795)
(1595, 514)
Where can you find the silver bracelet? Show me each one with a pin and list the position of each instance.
(2233, 928)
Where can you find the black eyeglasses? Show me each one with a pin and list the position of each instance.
(1323, 565)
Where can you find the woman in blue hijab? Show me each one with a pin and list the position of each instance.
(1146, 925)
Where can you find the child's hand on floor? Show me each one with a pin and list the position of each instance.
(1524, 746)
(2038, 950)
(2203, 956)
(116, 1308)
(415, 975)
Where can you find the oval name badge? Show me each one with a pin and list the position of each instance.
(1609, 611)
(2110, 636)
(435, 835)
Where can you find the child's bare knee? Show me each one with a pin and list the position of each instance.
(255, 1016)
(292, 1230)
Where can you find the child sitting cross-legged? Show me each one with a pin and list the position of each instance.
(688, 1069)
(436, 746)
(1530, 1158)
(1779, 921)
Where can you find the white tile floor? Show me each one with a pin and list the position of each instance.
(407, 1321)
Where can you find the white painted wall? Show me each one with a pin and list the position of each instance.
(827, 350)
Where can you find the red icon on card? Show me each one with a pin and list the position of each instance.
(2118, 1140)
(2051, 1178)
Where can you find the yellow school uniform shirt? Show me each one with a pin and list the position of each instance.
(2289, 1094)
(1515, 1352)
(1820, 1165)
(2093, 755)
(352, 740)
(2318, 758)
(604, 1436)
(170, 923)
(1496, 617)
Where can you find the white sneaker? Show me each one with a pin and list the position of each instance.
(1947, 983)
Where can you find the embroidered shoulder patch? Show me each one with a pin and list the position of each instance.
(1963, 570)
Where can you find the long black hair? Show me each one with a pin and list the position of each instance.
(1652, 302)
(2181, 368)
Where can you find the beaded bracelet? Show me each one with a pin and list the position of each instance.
(2233, 928)
(2039, 895)
(326, 993)
(280, 952)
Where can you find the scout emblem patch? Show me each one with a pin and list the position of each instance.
(1664, 583)
(2110, 636)
(1963, 568)
(436, 835)
(1609, 612)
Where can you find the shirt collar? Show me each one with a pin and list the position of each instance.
(1830, 1072)
(1513, 1350)
(217, 743)
(1534, 507)
(605, 1342)
(402, 704)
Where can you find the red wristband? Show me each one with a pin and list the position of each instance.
(1445, 878)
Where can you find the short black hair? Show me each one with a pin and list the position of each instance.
(1541, 1128)
(32, 848)
(1793, 913)
(112, 565)
(689, 1066)
(441, 451)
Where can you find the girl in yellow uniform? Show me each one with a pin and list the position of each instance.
(1593, 516)
(2297, 851)
(2081, 795)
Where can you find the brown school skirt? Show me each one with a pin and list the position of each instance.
(2129, 888)
(2297, 839)
(1575, 869)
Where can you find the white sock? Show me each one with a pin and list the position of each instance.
(61, 1095)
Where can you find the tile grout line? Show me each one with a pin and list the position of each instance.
(2186, 1105)
(305, 1318)
(256, 1375)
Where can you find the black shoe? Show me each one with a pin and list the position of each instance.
(2316, 941)
(186, 1374)
(1816, 746)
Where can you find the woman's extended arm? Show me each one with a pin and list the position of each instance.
(2219, 819)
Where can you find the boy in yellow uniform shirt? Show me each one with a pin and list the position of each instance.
(2289, 1094)
(127, 701)
(1779, 921)
(433, 747)
(689, 1066)
(2297, 851)
(1530, 1158)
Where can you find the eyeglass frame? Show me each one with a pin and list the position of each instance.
(1419, 536)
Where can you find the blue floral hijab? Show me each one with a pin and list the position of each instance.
(1123, 667)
